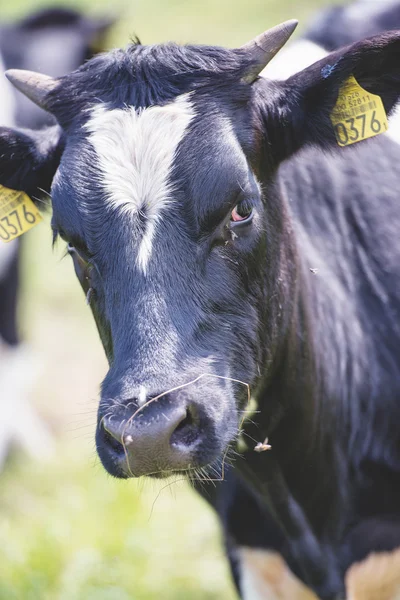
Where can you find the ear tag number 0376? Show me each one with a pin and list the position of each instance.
(357, 114)
(18, 214)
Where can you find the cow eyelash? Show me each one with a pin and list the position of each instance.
(71, 248)
(86, 260)
(77, 249)
(89, 260)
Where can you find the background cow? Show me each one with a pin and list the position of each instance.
(55, 41)
(331, 28)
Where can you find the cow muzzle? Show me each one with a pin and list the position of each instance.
(168, 433)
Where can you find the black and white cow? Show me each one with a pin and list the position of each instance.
(224, 241)
(55, 41)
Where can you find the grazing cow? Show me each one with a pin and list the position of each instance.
(225, 242)
(55, 41)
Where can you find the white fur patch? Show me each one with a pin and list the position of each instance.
(136, 150)
(292, 59)
(394, 125)
(375, 578)
(264, 575)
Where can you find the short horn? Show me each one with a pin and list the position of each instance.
(263, 48)
(35, 86)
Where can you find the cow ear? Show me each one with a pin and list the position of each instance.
(298, 111)
(29, 159)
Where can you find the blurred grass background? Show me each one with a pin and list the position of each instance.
(67, 530)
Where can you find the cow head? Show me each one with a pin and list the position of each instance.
(163, 184)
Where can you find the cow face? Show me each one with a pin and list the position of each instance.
(164, 223)
(163, 186)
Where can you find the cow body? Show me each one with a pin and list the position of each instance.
(221, 250)
(348, 357)
(351, 371)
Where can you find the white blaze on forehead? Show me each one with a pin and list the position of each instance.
(136, 149)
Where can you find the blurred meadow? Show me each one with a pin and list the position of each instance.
(68, 531)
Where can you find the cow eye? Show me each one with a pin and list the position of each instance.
(242, 212)
(71, 248)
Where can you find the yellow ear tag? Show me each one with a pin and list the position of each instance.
(18, 214)
(357, 114)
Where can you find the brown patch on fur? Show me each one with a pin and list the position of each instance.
(266, 576)
(376, 578)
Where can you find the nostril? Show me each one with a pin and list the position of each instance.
(187, 431)
(111, 437)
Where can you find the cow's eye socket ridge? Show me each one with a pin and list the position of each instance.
(242, 212)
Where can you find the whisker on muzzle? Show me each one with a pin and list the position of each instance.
(219, 476)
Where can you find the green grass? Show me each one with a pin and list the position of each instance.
(68, 531)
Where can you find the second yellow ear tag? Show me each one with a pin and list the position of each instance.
(18, 214)
(357, 114)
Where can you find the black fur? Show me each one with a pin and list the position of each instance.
(320, 350)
